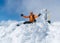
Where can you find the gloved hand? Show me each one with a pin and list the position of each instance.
(49, 21)
(39, 14)
(22, 15)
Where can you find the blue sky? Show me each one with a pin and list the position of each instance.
(11, 9)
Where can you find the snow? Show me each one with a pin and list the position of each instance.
(29, 33)
(32, 33)
(39, 32)
(54, 34)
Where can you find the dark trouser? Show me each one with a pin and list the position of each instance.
(27, 22)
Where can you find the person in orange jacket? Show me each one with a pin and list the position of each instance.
(32, 18)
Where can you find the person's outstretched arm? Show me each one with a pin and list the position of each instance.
(36, 16)
(24, 16)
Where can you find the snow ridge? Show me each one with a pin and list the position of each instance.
(29, 33)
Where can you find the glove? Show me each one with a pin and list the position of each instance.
(49, 21)
(39, 14)
(22, 15)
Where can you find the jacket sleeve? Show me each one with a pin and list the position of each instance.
(26, 16)
(36, 16)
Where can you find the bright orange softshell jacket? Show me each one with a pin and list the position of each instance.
(31, 19)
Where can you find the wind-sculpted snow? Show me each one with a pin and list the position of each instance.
(54, 34)
(29, 33)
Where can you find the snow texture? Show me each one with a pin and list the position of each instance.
(29, 33)
(39, 32)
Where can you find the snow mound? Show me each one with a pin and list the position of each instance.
(25, 33)
(54, 34)
(29, 33)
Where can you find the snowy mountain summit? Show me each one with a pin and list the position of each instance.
(29, 33)
(25, 33)
(39, 32)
